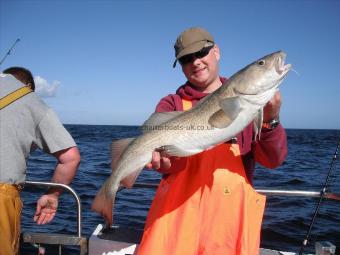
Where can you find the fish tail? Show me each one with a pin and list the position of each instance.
(104, 202)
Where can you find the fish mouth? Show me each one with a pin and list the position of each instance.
(280, 66)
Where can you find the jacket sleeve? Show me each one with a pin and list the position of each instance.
(271, 150)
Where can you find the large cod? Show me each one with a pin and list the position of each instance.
(217, 118)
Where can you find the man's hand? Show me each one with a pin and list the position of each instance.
(166, 164)
(47, 206)
(159, 161)
(272, 108)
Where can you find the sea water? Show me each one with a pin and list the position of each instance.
(286, 219)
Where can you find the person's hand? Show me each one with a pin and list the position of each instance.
(159, 161)
(47, 206)
(272, 108)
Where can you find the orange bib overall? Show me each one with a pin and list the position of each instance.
(208, 208)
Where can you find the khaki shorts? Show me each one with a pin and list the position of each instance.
(10, 211)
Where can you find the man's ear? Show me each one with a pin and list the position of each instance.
(217, 53)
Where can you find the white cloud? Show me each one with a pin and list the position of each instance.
(45, 89)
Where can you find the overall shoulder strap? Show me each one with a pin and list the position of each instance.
(13, 96)
(187, 104)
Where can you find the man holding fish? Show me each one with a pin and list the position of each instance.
(205, 202)
(210, 219)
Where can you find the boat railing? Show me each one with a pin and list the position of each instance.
(270, 192)
(53, 238)
(77, 240)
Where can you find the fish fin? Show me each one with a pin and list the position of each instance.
(157, 119)
(219, 120)
(103, 203)
(230, 108)
(258, 124)
(117, 148)
(129, 180)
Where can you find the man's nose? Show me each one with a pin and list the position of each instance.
(196, 61)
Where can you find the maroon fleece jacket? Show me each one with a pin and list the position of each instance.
(270, 151)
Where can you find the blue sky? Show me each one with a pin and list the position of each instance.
(110, 62)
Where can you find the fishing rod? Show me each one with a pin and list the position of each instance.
(322, 195)
(9, 51)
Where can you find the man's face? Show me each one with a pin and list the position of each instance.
(202, 72)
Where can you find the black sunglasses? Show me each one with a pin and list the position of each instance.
(191, 57)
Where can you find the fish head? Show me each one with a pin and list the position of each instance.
(262, 75)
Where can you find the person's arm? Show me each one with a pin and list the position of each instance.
(271, 150)
(66, 168)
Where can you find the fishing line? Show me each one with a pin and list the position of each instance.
(322, 195)
(9, 51)
(295, 71)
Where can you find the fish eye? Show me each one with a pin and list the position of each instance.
(261, 62)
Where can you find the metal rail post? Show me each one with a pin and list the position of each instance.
(58, 239)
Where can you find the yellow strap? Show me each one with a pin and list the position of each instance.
(187, 104)
(15, 95)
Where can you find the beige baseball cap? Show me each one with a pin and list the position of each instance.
(190, 41)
